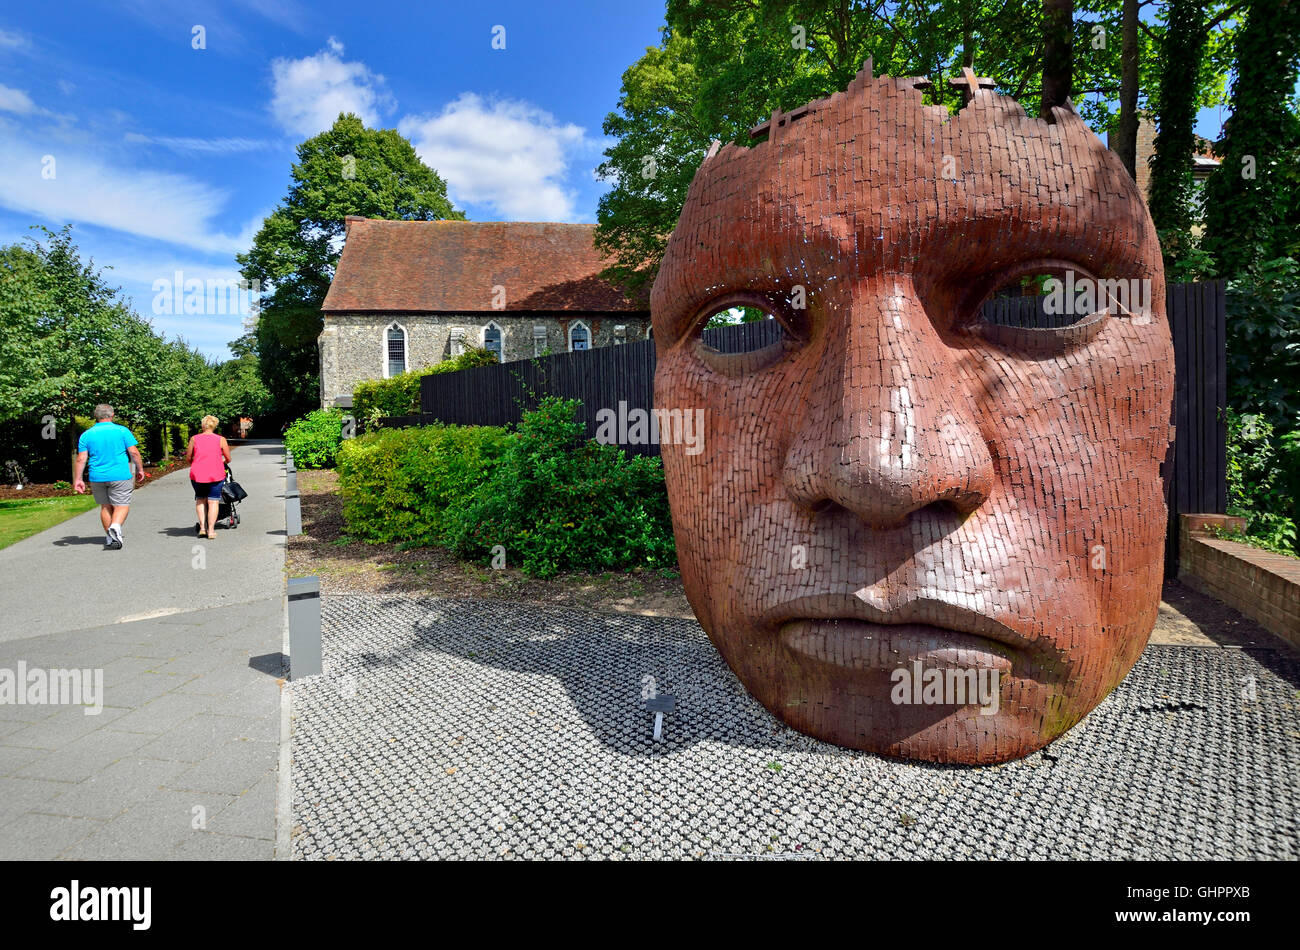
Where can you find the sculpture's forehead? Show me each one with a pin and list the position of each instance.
(875, 178)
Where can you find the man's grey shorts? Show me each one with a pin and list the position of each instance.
(112, 493)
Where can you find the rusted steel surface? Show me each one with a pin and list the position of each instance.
(901, 500)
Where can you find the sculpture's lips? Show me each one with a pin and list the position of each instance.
(843, 629)
(860, 644)
(918, 610)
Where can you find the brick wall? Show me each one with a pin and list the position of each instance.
(1262, 585)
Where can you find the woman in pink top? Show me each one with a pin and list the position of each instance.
(208, 454)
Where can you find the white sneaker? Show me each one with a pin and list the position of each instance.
(114, 536)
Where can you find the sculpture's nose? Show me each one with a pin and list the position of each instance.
(890, 430)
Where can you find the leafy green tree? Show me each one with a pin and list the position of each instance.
(70, 342)
(93, 345)
(1252, 210)
(25, 383)
(658, 143)
(724, 65)
(237, 387)
(346, 170)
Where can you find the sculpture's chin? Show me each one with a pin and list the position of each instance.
(959, 738)
(897, 698)
(966, 735)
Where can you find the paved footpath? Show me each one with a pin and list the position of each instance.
(182, 760)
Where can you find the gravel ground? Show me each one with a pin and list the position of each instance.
(448, 728)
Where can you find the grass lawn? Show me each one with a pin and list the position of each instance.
(22, 519)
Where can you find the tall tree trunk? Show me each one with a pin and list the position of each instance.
(1058, 54)
(1126, 128)
(69, 439)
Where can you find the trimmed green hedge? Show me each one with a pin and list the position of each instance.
(554, 500)
(398, 484)
(314, 439)
(400, 395)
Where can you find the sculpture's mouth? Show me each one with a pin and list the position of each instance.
(863, 645)
(843, 630)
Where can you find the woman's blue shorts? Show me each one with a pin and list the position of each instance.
(209, 490)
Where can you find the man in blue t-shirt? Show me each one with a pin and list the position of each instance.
(112, 453)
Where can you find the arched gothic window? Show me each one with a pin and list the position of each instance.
(579, 336)
(395, 350)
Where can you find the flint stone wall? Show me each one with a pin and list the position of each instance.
(353, 348)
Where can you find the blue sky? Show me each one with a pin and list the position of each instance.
(167, 157)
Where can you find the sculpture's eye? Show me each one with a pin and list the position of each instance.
(747, 332)
(1044, 306)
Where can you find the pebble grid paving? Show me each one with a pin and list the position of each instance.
(469, 729)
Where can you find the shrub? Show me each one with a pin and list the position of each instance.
(315, 438)
(1263, 342)
(1261, 475)
(560, 502)
(400, 484)
(144, 443)
(554, 500)
(474, 356)
(395, 396)
(400, 395)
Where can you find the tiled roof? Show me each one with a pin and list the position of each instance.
(454, 266)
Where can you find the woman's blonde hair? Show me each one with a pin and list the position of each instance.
(210, 422)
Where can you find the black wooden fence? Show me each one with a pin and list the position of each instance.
(607, 376)
(603, 377)
(1197, 466)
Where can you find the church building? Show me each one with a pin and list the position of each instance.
(408, 294)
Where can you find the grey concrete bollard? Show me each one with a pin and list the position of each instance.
(304, 627)
(291, 480)
(292, 514)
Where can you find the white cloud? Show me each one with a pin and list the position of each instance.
(509, 154)
(227, 29)
(142, 267)
(309, 93)
(87, 189)
(66, 87)
(16, 101)
(224, 146)
(11, 40)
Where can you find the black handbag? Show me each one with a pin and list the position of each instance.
(232, 490)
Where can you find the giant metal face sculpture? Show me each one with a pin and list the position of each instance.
(913, 529)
